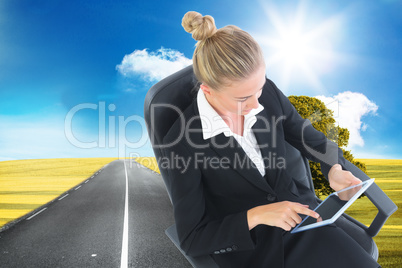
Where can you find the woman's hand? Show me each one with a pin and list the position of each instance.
(281, 214)
(340, 179)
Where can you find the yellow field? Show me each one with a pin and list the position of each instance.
(27, 184)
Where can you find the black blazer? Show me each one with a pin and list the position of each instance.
(213, 183)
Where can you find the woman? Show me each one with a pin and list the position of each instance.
(232, 194)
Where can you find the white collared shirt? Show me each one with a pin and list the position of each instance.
(213, 125)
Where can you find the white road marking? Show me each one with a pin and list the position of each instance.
(43, 209)
(93, 255)
(63, 197)
(124, 247)
(86, 181)
(78, 187)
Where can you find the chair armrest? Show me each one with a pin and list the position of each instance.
(382, 202)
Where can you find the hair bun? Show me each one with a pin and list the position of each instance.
(200, 27)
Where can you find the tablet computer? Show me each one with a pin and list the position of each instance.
(333, 206)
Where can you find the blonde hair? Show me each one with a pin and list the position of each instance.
(221, 55)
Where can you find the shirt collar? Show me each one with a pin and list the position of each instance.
(213, 124)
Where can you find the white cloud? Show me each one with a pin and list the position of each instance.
(153, 66)
(349, 108)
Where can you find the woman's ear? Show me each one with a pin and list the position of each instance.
(205, 89)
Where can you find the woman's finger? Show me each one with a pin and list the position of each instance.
(307, 211)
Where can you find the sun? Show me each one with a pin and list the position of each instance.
(293, 47)
(299, 48)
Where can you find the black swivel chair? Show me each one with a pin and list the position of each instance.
(163, 105)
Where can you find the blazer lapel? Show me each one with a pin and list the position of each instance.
(262, 130)
(229, 148)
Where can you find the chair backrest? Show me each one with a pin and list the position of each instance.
(163, 104)
(166, 100)
(173, 90)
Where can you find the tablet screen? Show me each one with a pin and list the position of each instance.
(333, 206)
(327, 210)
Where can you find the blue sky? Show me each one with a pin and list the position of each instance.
(74, 74)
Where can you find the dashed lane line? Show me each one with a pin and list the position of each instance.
(61, 198)
(40, 211)
(64, 196)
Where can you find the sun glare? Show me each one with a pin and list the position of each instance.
(293, 47)
(297, 51)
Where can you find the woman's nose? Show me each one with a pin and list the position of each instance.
(254, 102)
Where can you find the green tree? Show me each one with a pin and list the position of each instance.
(322, 119)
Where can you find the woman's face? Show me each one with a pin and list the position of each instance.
(240, 97)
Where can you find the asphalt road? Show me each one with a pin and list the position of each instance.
(92, 225)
